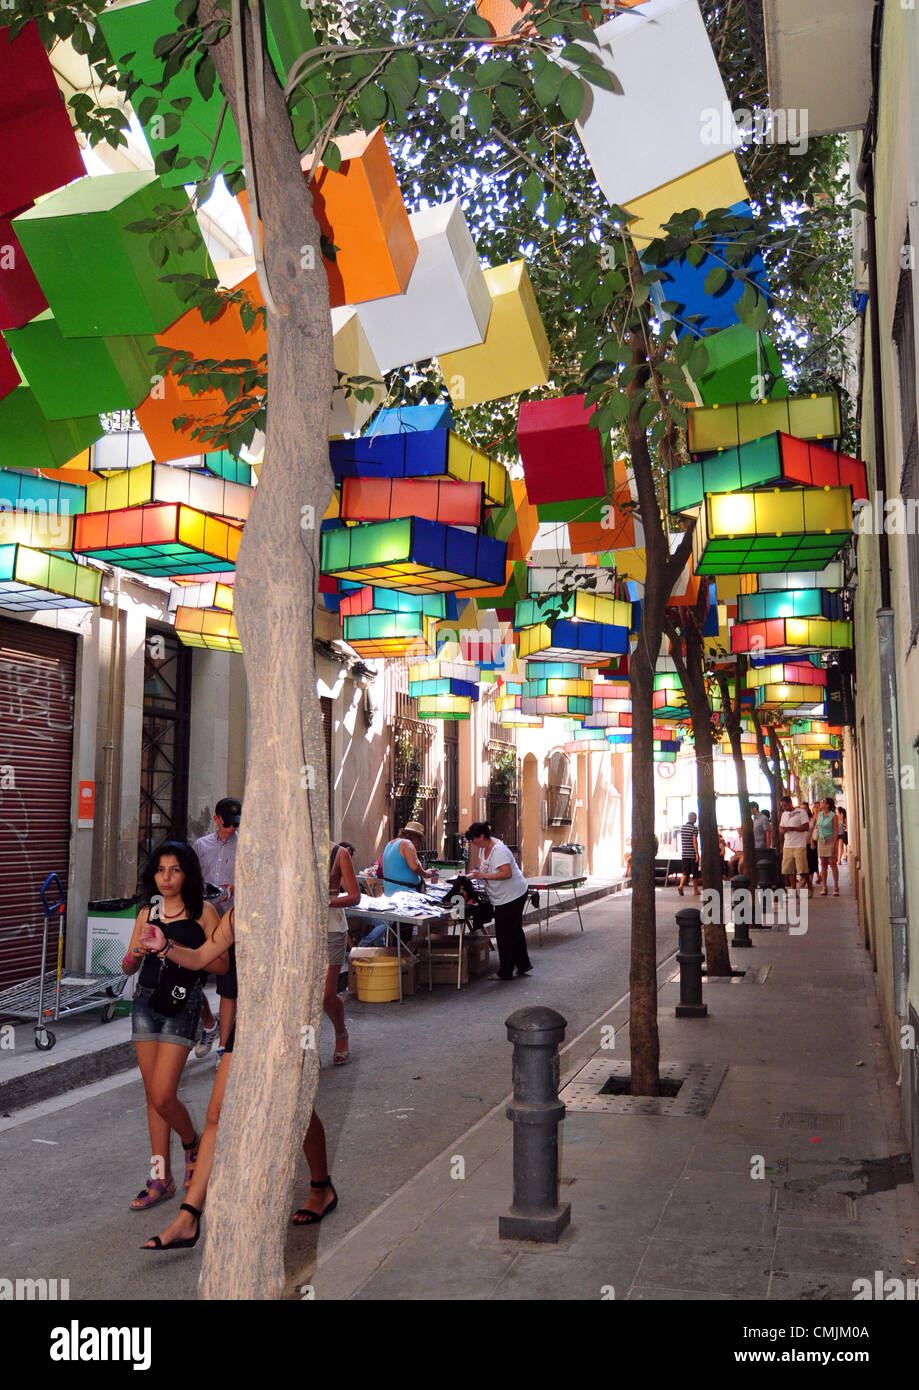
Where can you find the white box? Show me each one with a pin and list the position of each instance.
(446, 304)
(671, 115)
(352, 355)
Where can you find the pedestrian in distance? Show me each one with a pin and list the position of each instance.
(826, 834)
(344, 892)
(813, 863)
(508, 890)
(217, 855)
(183, 1232)
(167, 1006)
(689, 849)
(795, 825)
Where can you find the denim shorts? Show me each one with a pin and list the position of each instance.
(149, 1026)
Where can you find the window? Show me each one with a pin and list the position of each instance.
(559, 790)
(905, 340)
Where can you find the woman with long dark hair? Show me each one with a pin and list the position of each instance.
(507, 889)
(167, 1007)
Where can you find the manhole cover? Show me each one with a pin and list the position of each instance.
(812, 1119)
(815, 1206)
(698, 1085)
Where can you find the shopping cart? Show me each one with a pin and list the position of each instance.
(72, 994)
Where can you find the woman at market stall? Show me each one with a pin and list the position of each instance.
(507, 888)
(167, 1006)
(402, 871)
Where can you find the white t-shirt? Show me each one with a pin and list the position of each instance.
(796, 825)
(502, 890)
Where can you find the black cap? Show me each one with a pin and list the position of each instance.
(229, 810)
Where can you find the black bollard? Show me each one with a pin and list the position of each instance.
(689, 921)
(741, 909)
(535, 1213)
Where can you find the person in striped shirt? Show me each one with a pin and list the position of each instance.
(689, 848)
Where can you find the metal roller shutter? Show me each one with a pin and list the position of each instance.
(37, 677)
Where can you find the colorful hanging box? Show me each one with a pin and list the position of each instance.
(580, 606)
(726, 426)
(667, 39)
(515, 354)
(792, 603)
(390, 634)
(423, 689)
(446, 305)
(412, 553)
(553, 430)
(772, 460)
(21, 295)
(561, 579)
(716, 185)
(38, 149)
(366, 599)
(50, 496)
(360, 210)
(207, 627)
(790, 634)
(32, 580)
(211, 595)
(444, 707)
(576, 641)
(785, 673)
(160, 538)
(353, 359)
(409, 419)
(33, 441)
(155, 482)
(669, 699)
(72, 376)
(698, 310)
(169, 402)
(832, 576)
(556, 706)
(432, 453)
(39, 530)
(78, 240)
(443, 670)
(225, 337)
(379, 499)
(742, 365)
(788, 696)
(800, 528)
(507, 20)
(131, 29)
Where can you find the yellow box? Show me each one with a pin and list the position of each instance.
(716, 185)
(515, 354)
(716, 427)
(37, 530)
(352, 356)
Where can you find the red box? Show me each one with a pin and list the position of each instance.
(21, 295)
(561, 455)
(38, 149)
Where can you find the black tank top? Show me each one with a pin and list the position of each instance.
(184, 931)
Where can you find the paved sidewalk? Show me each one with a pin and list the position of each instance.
(795, 1184)
(87, 1050)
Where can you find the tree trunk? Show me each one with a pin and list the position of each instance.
(731, 714)
(281, 884)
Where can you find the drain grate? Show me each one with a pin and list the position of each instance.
(700, 1083)
(817, 1204)
(812, 1119)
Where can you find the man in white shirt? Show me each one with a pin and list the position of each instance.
(795, 826)
(217, 856)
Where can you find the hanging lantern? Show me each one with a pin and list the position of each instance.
(766, 462)
(208, 595)
(832, 576)
(379, 499)
(412, 553)
(790, 634)
(53, 496)
(33, 580)
(792, 603)
(352, 357)
(38, 149)
(370, 600)
(38, 530)
(718, 184)
(446, 304)
(422, 454)
(207, 627)
(669, 699)
(390, 634)
(515, 354)
(801, 528)
(34, 441)
(785, 673)
(727, 426)
(21, 295)
(698, 310)
(556, 428)
(160, 538)
(556, 706)
(155, 482)
(360, 211)
(444, 707)
(80, 238)
(74, 376)
(788, 696)
(742, 364)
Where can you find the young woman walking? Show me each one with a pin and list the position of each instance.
(167, 1007)
(826, 833)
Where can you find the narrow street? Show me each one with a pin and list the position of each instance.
(421, 1074)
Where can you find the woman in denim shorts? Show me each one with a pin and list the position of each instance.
(175, 890)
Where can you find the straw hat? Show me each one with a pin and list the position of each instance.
(413, 827)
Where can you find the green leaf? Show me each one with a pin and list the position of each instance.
(555, 208)
(371, 104)
(331, 157)
(533, 190)
(448, 104)
(647, 413)
(547, 85)
(715, 279)
(508, 103)
(695, 255)
(481, 112)
(478, 27)
(145, 111)
(490, 73)
(205, 76)
(571, 96)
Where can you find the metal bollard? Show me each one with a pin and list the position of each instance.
(689, 921)
(535, 1213)
(741, 909)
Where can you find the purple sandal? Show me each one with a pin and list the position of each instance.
(155, 1192)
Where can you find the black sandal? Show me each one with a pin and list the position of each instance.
(185, 1244)
(312, 1218)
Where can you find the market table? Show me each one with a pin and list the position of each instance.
(397, 920)
(550, 885)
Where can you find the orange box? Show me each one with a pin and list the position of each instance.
(502, 15)
(360, 210)
(524, 532)
(224, 337)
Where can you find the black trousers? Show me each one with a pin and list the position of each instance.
(511, 942)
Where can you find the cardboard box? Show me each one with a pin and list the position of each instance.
(443, 967)
(479, 949)
(409, 967)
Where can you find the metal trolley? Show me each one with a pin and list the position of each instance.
(72, 994)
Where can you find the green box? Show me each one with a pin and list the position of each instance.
(735, 362)
(99, 278)
(71, 376)
(29, 440)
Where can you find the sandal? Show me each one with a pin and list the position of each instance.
(341, 1054)
(304, 1217)
(154, 1243)
(191, 1158)
(155, 1192)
